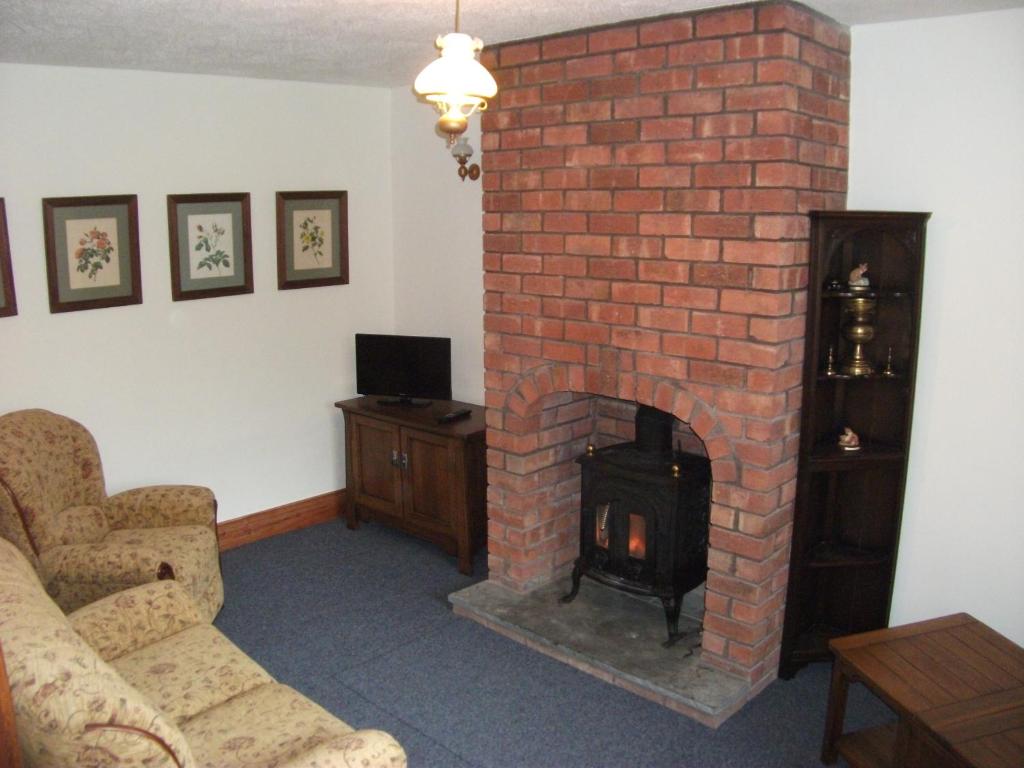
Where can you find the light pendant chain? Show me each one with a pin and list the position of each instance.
(456, 15)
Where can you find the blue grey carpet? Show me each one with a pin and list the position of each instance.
(359, 621)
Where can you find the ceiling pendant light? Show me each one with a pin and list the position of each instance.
(456, 83)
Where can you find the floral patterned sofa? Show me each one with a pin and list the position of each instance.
(140, 679)
(85, 544)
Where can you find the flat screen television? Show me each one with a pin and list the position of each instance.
(404, 369)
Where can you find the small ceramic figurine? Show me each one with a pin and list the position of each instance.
(849, 440)
(857, 276)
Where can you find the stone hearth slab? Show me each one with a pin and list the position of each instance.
(615, 636)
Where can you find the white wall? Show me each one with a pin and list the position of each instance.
(438, 242)
(937, 110)
(236, 392)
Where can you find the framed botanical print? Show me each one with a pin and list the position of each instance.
(8, 304)
(211, 245)
(312, 239)
(92, 252)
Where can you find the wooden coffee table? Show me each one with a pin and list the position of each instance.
(956, 685)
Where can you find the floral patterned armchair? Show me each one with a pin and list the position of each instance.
(140, 679)
(86, 545)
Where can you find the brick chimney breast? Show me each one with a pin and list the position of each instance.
(645, 238)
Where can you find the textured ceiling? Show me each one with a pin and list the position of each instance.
(381, 43)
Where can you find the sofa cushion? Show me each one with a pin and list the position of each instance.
(266, 726)
(191, 671)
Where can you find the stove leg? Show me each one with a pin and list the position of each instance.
(672, 607)
(577, 574)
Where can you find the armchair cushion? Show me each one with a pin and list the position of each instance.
(85, 524)
(129, 620)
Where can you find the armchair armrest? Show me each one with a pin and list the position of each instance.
(129, 620)
(368, 748)
(160, 506)
(102, 563)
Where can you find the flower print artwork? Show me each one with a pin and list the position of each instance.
(312, 239)
(311, 235)
(210, 245)
(92, 253)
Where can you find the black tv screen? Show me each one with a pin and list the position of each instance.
(404, 367)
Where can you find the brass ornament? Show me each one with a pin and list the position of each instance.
(889, 370)
(858, 329)
(830, 362)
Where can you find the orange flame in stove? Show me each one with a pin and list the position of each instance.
(637, 537)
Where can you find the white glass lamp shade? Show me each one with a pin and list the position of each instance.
(456, 83)
(462, 148)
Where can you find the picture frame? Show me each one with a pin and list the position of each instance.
(8, 301)
(312, 239)
(210, 238)
(92, 252)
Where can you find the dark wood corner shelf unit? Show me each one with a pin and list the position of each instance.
(407, 470)
(849, 502)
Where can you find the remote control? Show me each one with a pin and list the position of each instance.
(462, 413)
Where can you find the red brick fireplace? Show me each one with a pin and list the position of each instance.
(645, 242)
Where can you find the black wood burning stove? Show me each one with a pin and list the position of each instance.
(644, 517)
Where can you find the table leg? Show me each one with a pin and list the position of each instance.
(836, 713)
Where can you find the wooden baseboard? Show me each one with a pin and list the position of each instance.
(287, 517)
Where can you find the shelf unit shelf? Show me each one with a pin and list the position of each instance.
(830, 458)
(849, 502)
(844, 378)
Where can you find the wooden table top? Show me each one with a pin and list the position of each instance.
(959, 678)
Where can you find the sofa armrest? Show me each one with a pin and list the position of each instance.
(140, 616)
(160, 506)
(367, 748)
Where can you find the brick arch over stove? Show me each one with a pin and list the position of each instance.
(525, 400)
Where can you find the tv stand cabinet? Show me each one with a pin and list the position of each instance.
(406, 470)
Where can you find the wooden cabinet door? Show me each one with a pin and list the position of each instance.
(377, 476)
(430, 480)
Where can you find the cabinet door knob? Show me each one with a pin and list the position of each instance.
(394, 457)
(405, 461)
